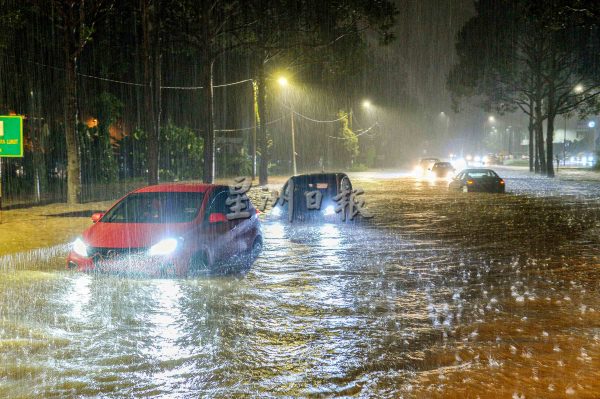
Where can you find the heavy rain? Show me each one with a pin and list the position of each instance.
(391, 199)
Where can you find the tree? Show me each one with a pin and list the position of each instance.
(498, 56)
(151, 64)
(570, 71)
(349, 140)
(76, 19)
(306, 32)
(207, 26)
(518, 54)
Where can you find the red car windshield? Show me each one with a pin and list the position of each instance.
(156, 207)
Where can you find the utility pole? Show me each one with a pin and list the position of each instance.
(565, 141)
(293, 141)
(0, 189)
(256, 123)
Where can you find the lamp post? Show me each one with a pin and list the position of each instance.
(490, 119)
(283, 82)
(565, 141)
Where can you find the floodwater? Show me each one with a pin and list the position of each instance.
(440, 295)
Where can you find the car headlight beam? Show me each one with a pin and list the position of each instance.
(79, 247)
(330, 210)
(163, 247)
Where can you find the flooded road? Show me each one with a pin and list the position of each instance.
(441, 294)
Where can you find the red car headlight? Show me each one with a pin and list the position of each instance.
(79, 247)
(163, 247)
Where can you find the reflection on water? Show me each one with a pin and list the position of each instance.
(440, 295)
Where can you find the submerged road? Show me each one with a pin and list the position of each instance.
(441, 294)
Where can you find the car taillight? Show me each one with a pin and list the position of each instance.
(470, 182)
(501, 181)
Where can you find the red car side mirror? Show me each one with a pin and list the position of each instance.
(217, 218)
(97, 216)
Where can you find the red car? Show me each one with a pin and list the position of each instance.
(167, 229)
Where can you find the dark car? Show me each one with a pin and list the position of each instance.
(492, 159)
(424, 166)
(442, 169)
(427, 163)
(311, 197)
(483, 180)
(169, 229)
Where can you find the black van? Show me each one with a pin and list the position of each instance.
(311, 197)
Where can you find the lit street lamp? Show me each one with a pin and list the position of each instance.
(490, 119)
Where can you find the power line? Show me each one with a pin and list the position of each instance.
(314, 120)
(240, 129)
(110, 80)
(246, 128)
(123, 82)
(356, 135)
(201, 87)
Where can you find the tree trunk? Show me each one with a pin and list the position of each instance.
(152, 82)
(539, 138)
(549, 144)
(531, 145)
(540, 146)
(536, 144)
(71, 120)
(551, 108)
(255, 130)
(536, 154)
(262, 141)
(209, 121)
(550, 131)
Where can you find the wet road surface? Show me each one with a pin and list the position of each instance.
(439, 295)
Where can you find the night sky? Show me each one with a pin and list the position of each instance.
(423, 52)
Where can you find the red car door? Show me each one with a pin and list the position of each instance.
(216, 229)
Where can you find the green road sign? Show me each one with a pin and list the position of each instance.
(11, 136)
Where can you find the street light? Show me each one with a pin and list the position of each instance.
(578, 89)
(490, 119)
(367, 104)
(283, 82)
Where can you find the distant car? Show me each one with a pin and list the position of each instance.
(168, 229)
(483, 180)
(442, 170)
(427, 163)
(492, 159)
(424, 166)
(294, 204)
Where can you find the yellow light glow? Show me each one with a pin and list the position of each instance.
(92, 122)
(283, 82)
